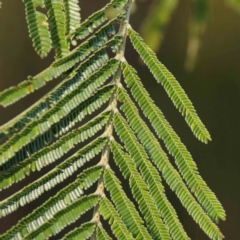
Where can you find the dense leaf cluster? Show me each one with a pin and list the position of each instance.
(52, 127)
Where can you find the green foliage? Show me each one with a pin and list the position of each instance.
(64, 217)
(57, 20)
(53, 126)
(13, 94)
(83, 232)
(72, 12)
(125, 207)
(58, 202)
(50, 154)
(172, 87)
(101, 234)
(38, 28)
(140, 191)
(109, 213)
(159, 157)
(51, 179)
(183, 158)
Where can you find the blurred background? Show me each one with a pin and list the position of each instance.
(198, 41)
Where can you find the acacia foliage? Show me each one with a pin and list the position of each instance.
(92, 91)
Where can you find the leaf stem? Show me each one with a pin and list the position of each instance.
(113, 105)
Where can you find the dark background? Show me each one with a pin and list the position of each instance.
(213, 87)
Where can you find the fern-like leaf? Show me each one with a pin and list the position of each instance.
(95, 20)
(60, 66)
(51, 179)
(63, 218)
(148, 172)
(57, 26)
(91, 23)
(87, 107)
(172, 87)
(92, 44)
(109, 213)
(46, 131)
(159, 157)
(83, 72)
(184, 160)
(52, 206)
(125, 207)
(84, 232)
(53, 116)
(127, 167)
(72, 12)
(169, 173)
(52, 153)
(38, 28)
(101, 234)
